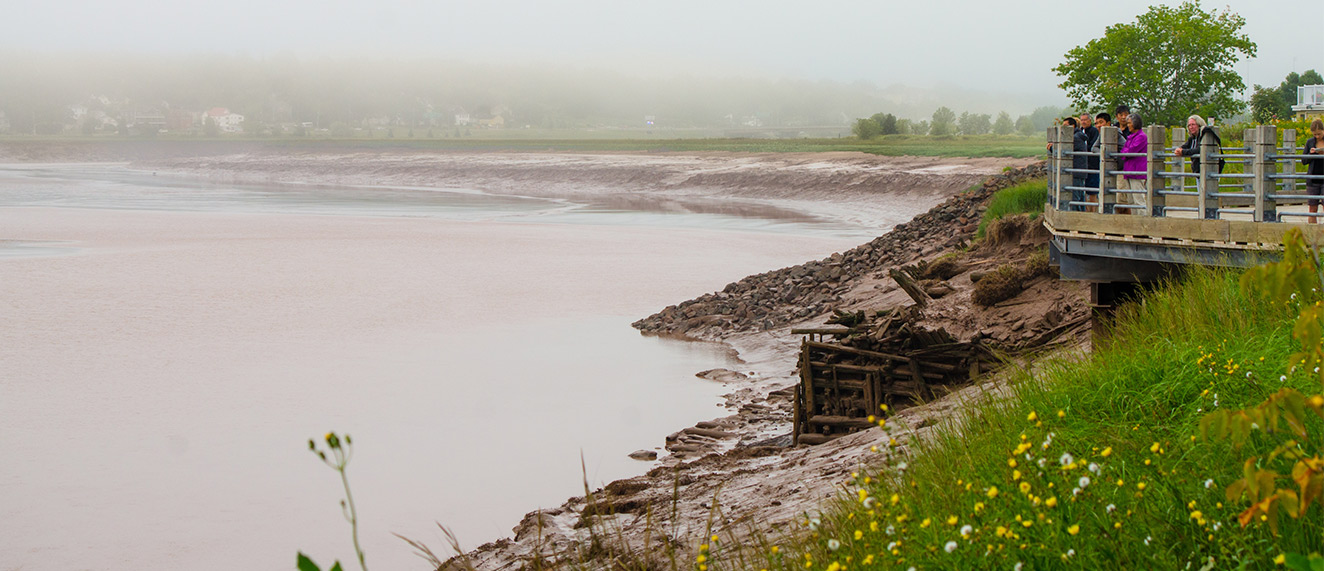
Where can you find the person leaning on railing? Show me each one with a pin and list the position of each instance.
(1314, 164)
(1137, 142)
(1196, 128)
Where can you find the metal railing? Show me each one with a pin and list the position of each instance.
(1263, 192)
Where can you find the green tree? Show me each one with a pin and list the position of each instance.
(1167, 64)
(974, 123)
(920, 127)
(1044, 117)
(886, 123)
(866, 128)
(944, 122)
(1266, 105)
(904, 126)
(1003, 125)
(1024, 125)
(209, 128)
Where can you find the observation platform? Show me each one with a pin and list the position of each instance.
(1116, 238)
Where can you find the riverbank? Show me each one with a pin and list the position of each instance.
(738, 475)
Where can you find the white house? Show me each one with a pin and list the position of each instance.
(226, 121)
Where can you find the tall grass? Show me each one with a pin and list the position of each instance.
(1025, 198)
(1126, 418)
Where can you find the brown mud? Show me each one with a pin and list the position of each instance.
(738, 476)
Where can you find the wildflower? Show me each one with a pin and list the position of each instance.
(1027, 523)
(1040, 462)
(1011, 462)
(1154, 447)
(873, 526)
(1121, 482)
(1061, 413)
(701, 558)
(926, 522)
(834, 566)
(1282, 379)
(1083, 482)
(859, 535)
(1140, 486)
(952, 520)
(1032, 417)
(1066, 459)
(1280, 559)
(1025, 487)
(1019, 566)
(1148, 539)
(950, 547)
(869, 503)
(979, 507)
(992, 491)
(892, 442)
(1107, 452)
(894, 499)
(1071, 553)
(1051, 502)
(1000, 531)
(966, 530)
(1110, 508)
(814, 523)
(1015, 475)
(891, 546)
(890, 530)
(1094, 468)
(902, 466)
(1075, 492)
(833, 545)
(775, 549)
(1074, 529)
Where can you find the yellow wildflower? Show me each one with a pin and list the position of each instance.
(1025, 487)
(993, 491)
(1280, 559)
(1051, 502)
(952, 520)
(1032, 417)
(1015, 475)
(1074, 529)
(1107, 452)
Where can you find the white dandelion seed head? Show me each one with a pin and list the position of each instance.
(1111, 508)
(1084, 482)
(1075, 491)
(1019, 566)
(1247, 374)
(1209, 483)
(902, 466)
(891, 546)
(833, 545)
(814, 523)
(1094, 468)
(950, 547)
(890, 530)
(1066, 459)
(1148, 539)
(966, 530)
(1217, 525)
(869, 503)
(1071, 553)
(1282, 379)
(1254, 426)
(1041, 462)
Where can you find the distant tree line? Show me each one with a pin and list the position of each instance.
(945, 123)
(1270, 103)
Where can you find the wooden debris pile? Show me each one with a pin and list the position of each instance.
(887, 358)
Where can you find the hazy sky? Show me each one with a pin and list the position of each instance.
(1003, 46)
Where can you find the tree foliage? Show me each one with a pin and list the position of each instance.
(866, 128)
(1003, 124)
(974, 123)
(1268, 103)
(944, 122)
(1169, 63)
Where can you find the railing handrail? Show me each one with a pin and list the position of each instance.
(1261, 182)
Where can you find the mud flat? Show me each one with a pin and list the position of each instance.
(741, 468)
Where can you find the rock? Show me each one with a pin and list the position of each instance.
(645, 455)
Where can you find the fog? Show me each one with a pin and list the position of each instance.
(568, 64)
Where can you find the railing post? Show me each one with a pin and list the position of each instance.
(1266, 143)
(1207, 184)
(1157, 135)
(1248, 165)
(1107, 146)
(1055, 163)
(1289, 148)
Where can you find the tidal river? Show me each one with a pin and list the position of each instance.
(168, 347)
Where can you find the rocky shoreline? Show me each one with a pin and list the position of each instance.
(739, 472)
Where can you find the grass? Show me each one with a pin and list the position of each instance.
(1025, 198)
(1126, 418)
(507, 140)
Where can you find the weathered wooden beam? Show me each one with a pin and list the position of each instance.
(911, 288)
(840, 421)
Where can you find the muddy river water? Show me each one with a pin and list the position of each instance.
(168, 347)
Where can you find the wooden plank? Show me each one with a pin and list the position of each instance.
(911, 288)
(807, 378)
(1253, 234)
(840, 421)
(902, 373)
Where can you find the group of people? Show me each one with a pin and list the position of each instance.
(1134, 141)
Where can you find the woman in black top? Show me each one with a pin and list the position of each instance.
(1195, 128)
(1315, 164)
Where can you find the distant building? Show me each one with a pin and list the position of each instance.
(179, 120)
(462, 118)
(1309, 102)
(225, 121)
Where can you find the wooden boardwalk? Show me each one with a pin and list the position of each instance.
(1105, 235)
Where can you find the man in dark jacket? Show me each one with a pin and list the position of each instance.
(1092, 138)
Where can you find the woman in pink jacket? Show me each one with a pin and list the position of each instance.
(1136, 143)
